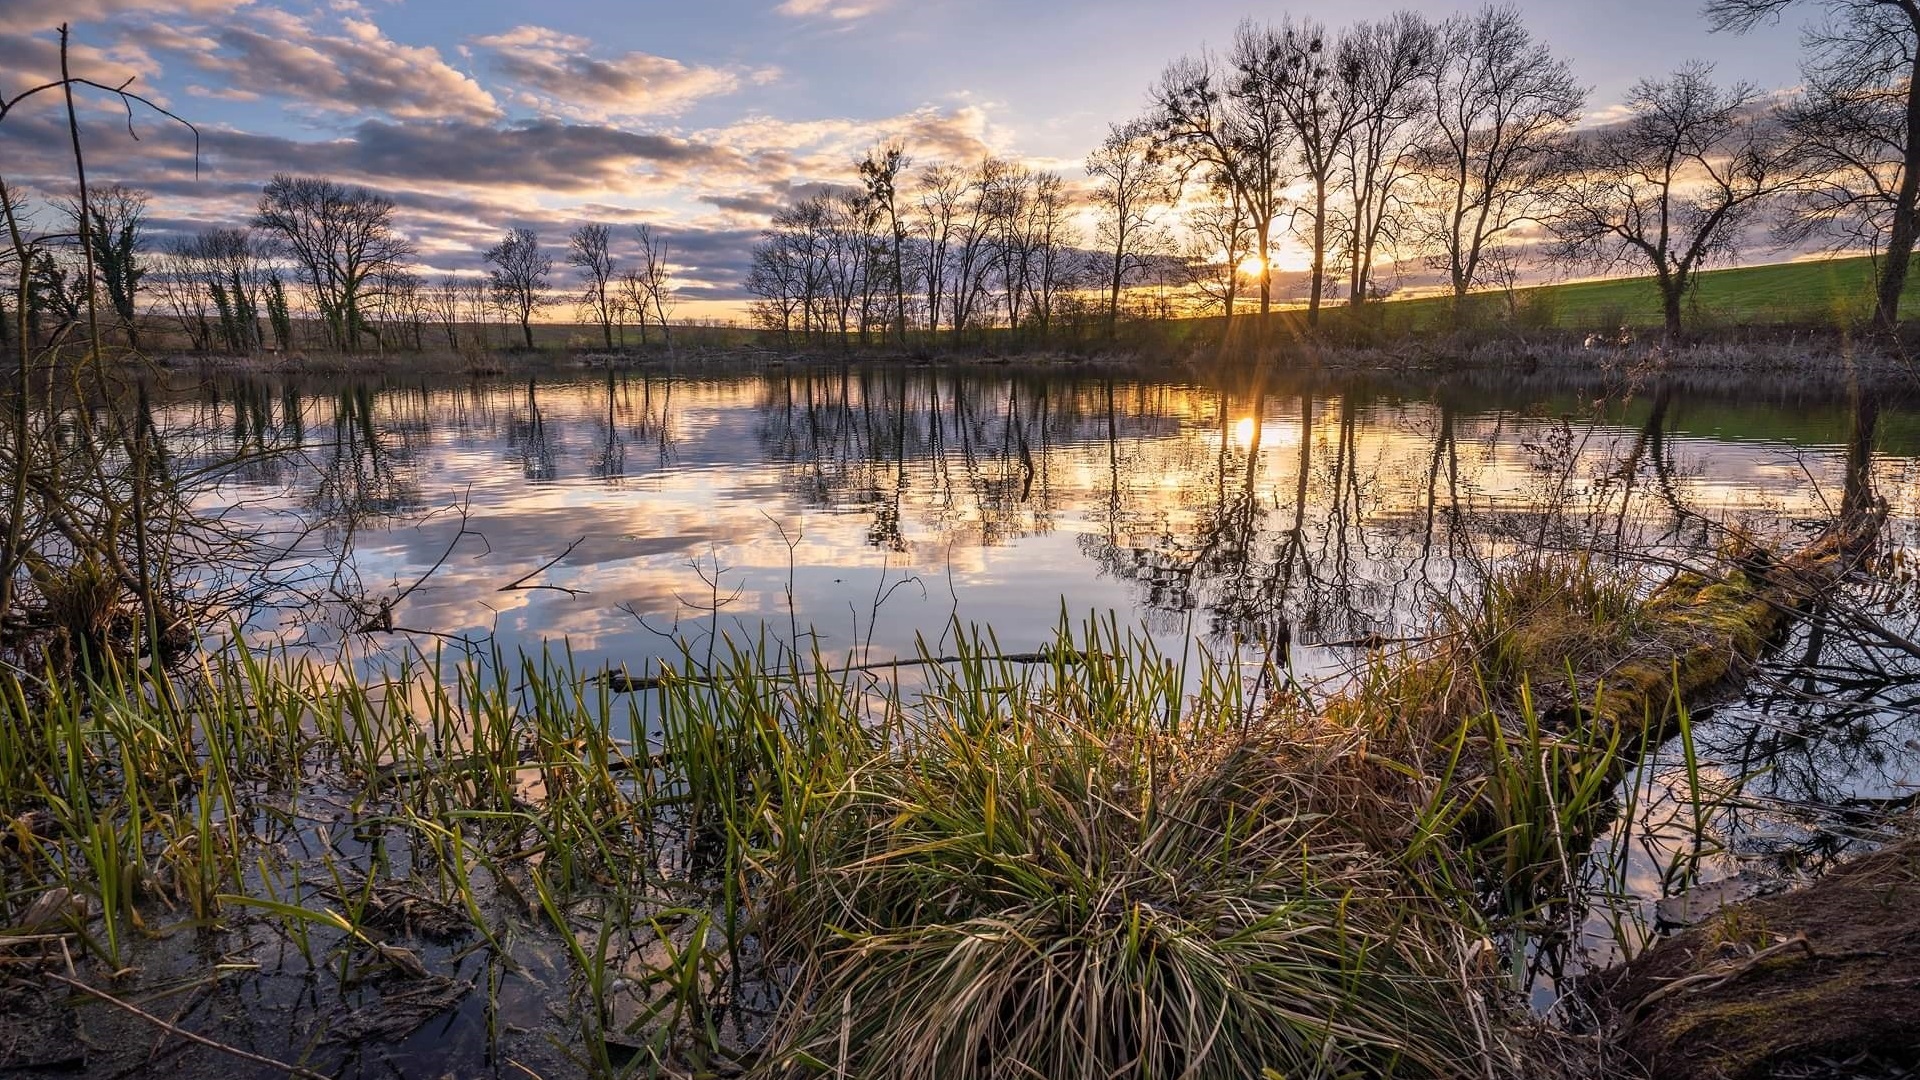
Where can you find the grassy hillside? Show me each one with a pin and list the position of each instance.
(1823, 291)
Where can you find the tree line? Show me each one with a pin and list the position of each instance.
(1451, 145)
(321, 263)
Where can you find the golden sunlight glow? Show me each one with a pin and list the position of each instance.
(1250, 266)
(1243, 431)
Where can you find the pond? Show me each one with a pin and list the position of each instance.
(641, 517)
(870, 505)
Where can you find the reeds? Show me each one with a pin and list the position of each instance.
(1074, 873)
(1081, 863)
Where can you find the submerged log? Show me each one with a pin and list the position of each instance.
(1558, 644)
(1709, 628)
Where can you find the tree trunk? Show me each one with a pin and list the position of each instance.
(129, 318)
(526, 330)
(1858, 497)
(1319, 253)
(1362, 264)
(1672, 292)
(1266, 275)
(1893, 281)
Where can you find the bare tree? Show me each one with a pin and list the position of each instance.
(1502, 106)
(279, 312)
(181, 276)
(519, 277)
(56, 294)
(656, 289)
(939, 196)
(1224, 125)
(477, 305)
(1858, 126)
(403, 309)
(232, 267)
(1390, 64)
(1220, 239)
(1670, 187)
(340, 239)
(1007, 191)
(632, 290)
(1132, 187)
(777, 281)
(880, 171)
(444, 302)
(588, 254)
(1317, 91)
(212, 283)
(1048, 243)
(970, 249)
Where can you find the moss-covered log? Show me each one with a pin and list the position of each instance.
(1820, 981)
(1588, 654)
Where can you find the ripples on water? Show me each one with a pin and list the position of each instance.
(640, 513)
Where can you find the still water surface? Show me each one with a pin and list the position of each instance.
(630, 515)
(875, 504)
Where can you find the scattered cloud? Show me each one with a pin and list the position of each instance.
(529, 125)
(28, 60)
(551, 156)
(555, 74)
(838, 10)
(45, 16)
(351, 67)
(828, 146)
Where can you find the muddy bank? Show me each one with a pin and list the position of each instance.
(1817, 982)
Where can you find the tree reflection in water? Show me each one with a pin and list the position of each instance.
(1316, 518)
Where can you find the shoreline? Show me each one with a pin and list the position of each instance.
(1825, 364)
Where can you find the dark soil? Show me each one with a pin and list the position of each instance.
(1818, 982)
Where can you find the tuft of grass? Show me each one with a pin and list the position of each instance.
(1073, 873)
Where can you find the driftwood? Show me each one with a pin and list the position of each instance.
(1818, 981)
(621, 683)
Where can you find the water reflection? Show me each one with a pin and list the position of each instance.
(1314, 514)
(861, 507)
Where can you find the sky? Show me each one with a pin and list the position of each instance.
(698, 117)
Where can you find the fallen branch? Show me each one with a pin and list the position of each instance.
(211, 1044)
(621, 683)
(1715, 979)
(520, 583)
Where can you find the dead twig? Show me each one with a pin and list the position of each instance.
(1705, 981)
(520, 583)
(212, 1044)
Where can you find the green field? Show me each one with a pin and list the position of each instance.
(1820, 292)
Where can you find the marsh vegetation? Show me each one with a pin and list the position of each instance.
(788, 764)
(901, 721)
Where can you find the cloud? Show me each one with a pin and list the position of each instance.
(28, 60)
(351, 68)
(554, 74)
(548, 155)
(38, 16)
(828, 147)
(838, 10)
(529, 126)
